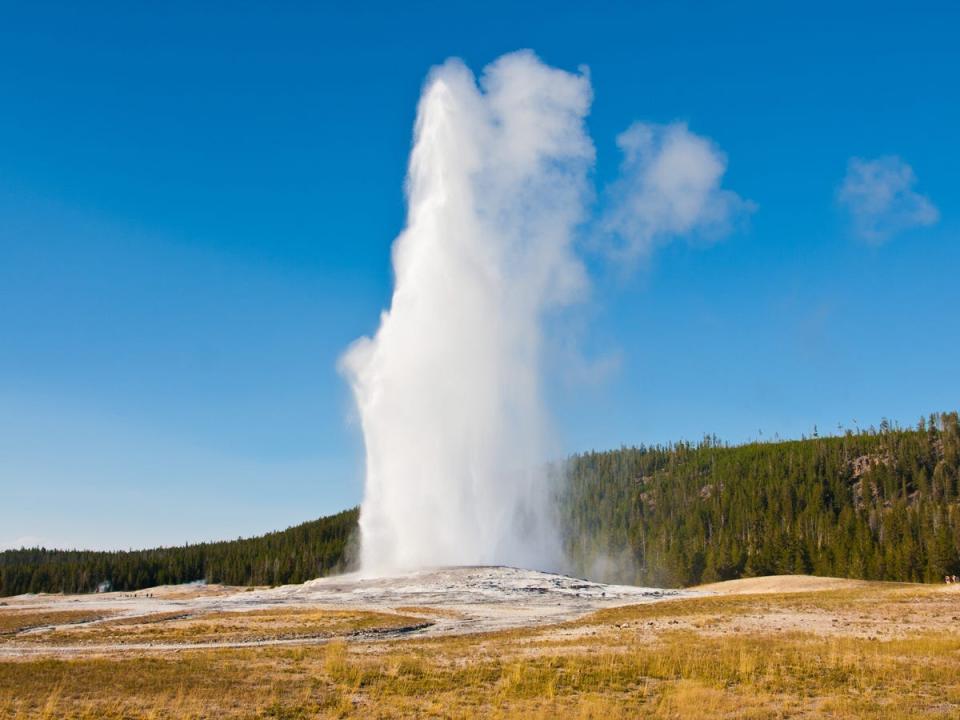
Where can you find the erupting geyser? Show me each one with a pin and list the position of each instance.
(448, 390)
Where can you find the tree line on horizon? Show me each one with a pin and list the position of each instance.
(295, 555)
(879, 504)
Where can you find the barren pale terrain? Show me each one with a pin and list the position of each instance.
(486, 642)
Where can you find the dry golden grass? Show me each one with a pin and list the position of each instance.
(429, 611)
(612, 664)
(13, 621)
(156, 617)
(226, 627)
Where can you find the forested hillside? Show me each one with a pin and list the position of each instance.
(293, 555)
(880, 504)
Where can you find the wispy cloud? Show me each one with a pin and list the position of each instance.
(669, 187)
(880, 198)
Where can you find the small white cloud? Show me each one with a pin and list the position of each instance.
(880, 198)
(670, 186)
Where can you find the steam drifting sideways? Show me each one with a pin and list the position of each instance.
(448, 390)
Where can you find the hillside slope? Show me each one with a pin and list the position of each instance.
(881, 505)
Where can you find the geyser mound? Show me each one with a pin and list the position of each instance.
(475, 585)
(448, 390)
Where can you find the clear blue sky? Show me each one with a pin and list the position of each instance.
(197, 205)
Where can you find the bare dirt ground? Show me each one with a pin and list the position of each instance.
(430, 602)
(782, 584)
(453, 601)
(486, 642)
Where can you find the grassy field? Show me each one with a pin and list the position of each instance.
(870, 651)
(16, 621)
(236, 627)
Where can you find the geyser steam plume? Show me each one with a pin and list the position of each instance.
(448, 390)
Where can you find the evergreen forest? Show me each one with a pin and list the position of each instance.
(882, 504)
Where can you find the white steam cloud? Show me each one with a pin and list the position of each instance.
(448, 390)
(880, 198)
(670, 185)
